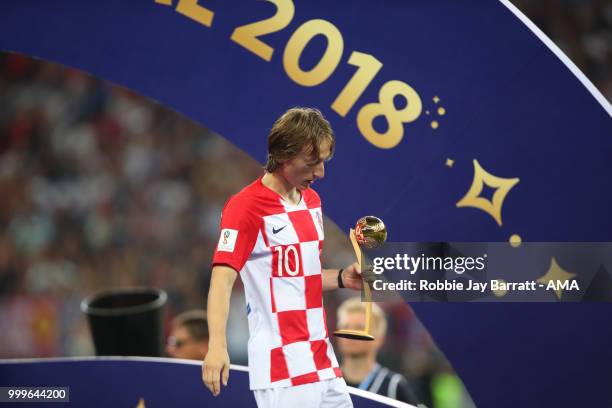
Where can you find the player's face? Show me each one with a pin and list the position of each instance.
(303, 170)
(356, 348)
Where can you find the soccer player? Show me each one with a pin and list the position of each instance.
(359, 364)
(189, 336)
(272, 236)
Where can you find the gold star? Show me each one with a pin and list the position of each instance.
(436, 99)
(556, 273)
(450, 162)
(502, 187)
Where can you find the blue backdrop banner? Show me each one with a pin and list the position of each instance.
(140, 382)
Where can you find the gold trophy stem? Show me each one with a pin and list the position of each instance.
(365, 333)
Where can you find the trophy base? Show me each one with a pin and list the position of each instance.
(354, 335)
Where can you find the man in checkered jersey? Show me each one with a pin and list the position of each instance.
(272, 236)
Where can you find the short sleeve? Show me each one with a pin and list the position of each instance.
(238, 233)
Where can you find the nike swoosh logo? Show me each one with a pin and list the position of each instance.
(276, 231)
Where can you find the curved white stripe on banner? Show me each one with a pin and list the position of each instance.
(561, 55)
(356, 391)
(107, 358)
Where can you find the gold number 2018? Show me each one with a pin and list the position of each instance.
(367, 68)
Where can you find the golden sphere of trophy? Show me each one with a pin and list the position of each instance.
(370, 232)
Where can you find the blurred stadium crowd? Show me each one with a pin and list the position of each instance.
(582, 29)
(101, 188)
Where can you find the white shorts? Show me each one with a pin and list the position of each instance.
(332, 393)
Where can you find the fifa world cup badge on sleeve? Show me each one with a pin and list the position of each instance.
(227, 240)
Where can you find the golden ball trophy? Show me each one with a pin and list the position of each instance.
(370, 232)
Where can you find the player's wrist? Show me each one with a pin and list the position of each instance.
(340, 281)
(217, 344)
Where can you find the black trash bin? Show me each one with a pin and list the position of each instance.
(127, 322)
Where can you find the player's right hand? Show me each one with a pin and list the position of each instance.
(216, 364)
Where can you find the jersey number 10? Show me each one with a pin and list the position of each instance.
(288, 263)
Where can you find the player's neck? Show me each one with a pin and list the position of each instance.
(356, 369)
(281, 186)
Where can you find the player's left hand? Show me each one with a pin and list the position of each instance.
(351, 277)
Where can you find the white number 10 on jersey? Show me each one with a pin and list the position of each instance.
(288, 260)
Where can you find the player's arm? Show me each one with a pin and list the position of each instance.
(216, 363)
(350, 276)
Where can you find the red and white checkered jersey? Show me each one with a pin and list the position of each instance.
(276, 247)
